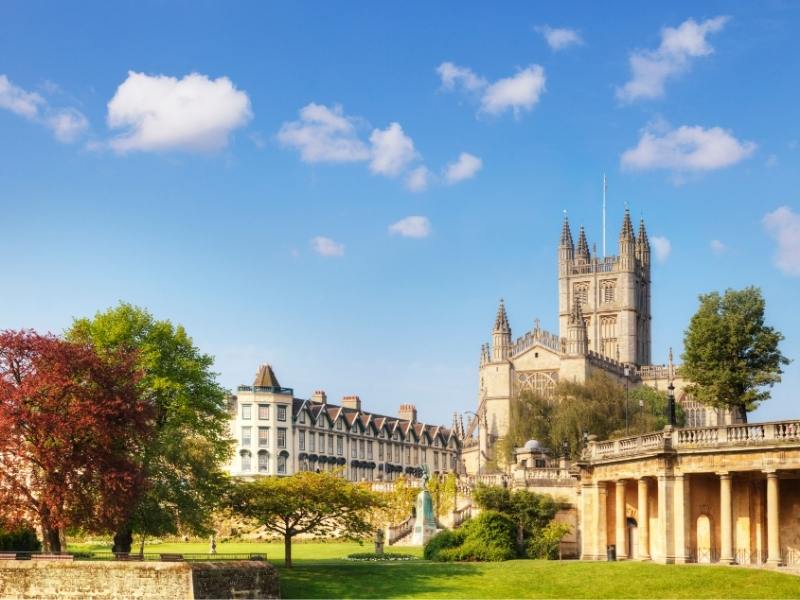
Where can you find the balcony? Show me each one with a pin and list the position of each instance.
(263, 389)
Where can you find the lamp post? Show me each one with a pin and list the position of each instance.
(671, 404)
(627, 373)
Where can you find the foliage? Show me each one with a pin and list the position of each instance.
(546, 543)
(374, 556)
(323, 504)
(72, 431)
(447, 538)
(443, 491)
(20, 537)
(597, 406)
(396, 506)
(185, 458)
(731, 357)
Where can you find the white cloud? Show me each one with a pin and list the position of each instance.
(783, 226)
(662, 247)
(392, 151)
(519, 92)
(412, 227)
(465, 167)
(326, 246)
(650, 69)
(559, 38)
(687, 148)
(67, 124)
(157, 112)
(417, 179)
(718, 247)
(324, 135)
(454, 76)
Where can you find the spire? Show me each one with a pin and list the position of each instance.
(627, 227)
(643, 233)
(583, 245)
(501, 321)
(577, 338)
(265, 377)
(566, 233)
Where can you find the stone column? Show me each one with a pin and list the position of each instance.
(620, 520)
(643, 526)
(681, 514)
(773, 520)
(587, 525)
(601, 514)
(665, 551)
(725, 519)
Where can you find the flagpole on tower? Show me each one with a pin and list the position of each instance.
(605, 189)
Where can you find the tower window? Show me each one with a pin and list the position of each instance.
(582, 292)
(608, 291)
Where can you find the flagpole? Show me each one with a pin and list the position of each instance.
(605, 187)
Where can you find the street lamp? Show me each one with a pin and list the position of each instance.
(671, 404)
(627, 372)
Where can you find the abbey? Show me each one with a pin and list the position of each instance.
(604, 326)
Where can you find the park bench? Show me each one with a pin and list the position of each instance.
(127, 556)
(8, 556)
(171, 557)
(52, 557)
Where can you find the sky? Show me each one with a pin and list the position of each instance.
(346, 190)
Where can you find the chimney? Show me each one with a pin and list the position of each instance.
(408, 412)
(320, 396)
(353, 402)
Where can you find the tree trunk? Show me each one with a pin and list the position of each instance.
(123, 540)
(287, 550)
(520, 541)
(52, 539)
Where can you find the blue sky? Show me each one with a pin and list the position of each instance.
(249, 170)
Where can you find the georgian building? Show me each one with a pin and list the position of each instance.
(278, 434)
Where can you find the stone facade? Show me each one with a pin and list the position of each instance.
(278, 434)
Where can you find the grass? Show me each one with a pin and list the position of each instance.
(320, 571)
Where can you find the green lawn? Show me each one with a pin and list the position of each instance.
(320, 571)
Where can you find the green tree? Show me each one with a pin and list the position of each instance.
(731, 357)
(443, 493)
(323, 504)
(184, 461)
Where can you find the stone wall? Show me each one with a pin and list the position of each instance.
(45, 580)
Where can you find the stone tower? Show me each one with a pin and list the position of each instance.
(613, 293)
(495, 385)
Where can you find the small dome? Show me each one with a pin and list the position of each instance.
(532, 445)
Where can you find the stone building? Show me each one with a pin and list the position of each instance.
(278, 434)
(604, 326)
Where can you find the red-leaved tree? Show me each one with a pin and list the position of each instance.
(72, 427)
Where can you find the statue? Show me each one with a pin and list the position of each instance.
(425, 521)
(379, 537)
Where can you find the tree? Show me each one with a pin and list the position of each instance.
(730, 356)
(442, 489)
(72, 431)
(316, 503)
(184, 460)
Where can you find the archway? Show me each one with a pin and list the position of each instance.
(705, 544)
(633, 537)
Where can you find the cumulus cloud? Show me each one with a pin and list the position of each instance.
(392, 151)
(157, 113)
(662, 247)
(783, 226)
(412, 227)
(650, 69)
(326, 246)
(519, 92)
(687, 148)
(417, 179)
(465, 167)
(67, 124)
(324, 134)
(559, 38)
(718, 247)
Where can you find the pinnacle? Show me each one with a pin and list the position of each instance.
(501, 322)
(566, 233)
(642, 232)
(627, 226)
(583, 245)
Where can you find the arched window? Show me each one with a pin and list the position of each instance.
(608, 288)
(282, 460)
(263, 461)
(245, 456)
(582, 292)
(608, 336)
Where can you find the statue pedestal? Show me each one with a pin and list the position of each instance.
(425, 523)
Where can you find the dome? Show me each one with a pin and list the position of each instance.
(532, 445)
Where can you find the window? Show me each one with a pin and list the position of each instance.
(608, 336)
(397, 453)
(353, 449)
(246, 411)
(581, 292)
(302, 417)
(369, 450)
(360, 448)
(330, 444)
(607, 291)
(245, 461)
(281, 412)
(320, 420)
(282, 463)
(263, 412)
(339, 445)
(416, 456)
(340, 425)
(281, 437)
(312, 441)
(263, 437)
(435, 460)
(396, 436)
(424, 455)
(321, 443)
(301, 442)
(263, 462)
(246, 436)
(380, 450)
(408, 454)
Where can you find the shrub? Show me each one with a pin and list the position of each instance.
(373, 556)
(19, 538)
(449, 538)
(546, 541)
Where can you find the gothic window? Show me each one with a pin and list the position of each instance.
(608, 335)
(582, 292)
(608, 291)
(543, 384)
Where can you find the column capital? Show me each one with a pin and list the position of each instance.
(724, 474)
(621, 482)
(770, 473)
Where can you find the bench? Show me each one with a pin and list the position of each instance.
(8, 556)
(171, 557)
(127, 556)
(52, 557)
